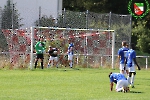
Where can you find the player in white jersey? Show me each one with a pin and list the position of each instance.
(121, 56)
(131, 62)
(70, 54)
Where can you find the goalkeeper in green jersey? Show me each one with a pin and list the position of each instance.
(39, 48)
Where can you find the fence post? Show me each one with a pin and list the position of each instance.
(31, 53)
(109, 27)
(101, 61)
(64, 18)
(113, 49)
(146, 62)
(130, 30)
(77, 60)
(85, 40)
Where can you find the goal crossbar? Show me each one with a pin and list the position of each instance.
(55, 28)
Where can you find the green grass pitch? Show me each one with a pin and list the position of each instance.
(72, 84)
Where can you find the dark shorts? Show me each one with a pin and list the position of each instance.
(39, 56)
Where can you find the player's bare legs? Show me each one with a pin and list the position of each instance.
(49, 63)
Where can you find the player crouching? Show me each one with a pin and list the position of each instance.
(120, 80)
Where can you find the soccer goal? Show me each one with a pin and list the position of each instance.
(92, 47)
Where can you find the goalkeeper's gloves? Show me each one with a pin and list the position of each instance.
(41, 51)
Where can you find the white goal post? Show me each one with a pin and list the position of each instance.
(98, 31)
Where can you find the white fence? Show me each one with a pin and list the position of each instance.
(101, 61)
(146, 60)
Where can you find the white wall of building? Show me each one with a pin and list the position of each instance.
(29, 9)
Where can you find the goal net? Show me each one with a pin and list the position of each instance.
(92, 47)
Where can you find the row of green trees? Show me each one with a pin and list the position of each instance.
(140, 27)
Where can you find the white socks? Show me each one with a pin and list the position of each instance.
(131, 80)
(48, 65)
(71, 64)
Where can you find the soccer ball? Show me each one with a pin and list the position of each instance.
(55, 52)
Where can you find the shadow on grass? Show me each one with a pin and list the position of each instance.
(135, 92)
(145, 79)
(70, 69)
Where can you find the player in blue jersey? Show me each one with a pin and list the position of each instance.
(121, 56)
(70, 54)
(120, 81)
(131, 62)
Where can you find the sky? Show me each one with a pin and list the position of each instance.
(29, 9)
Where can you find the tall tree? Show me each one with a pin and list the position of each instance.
(142, 34)
(10, 16)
